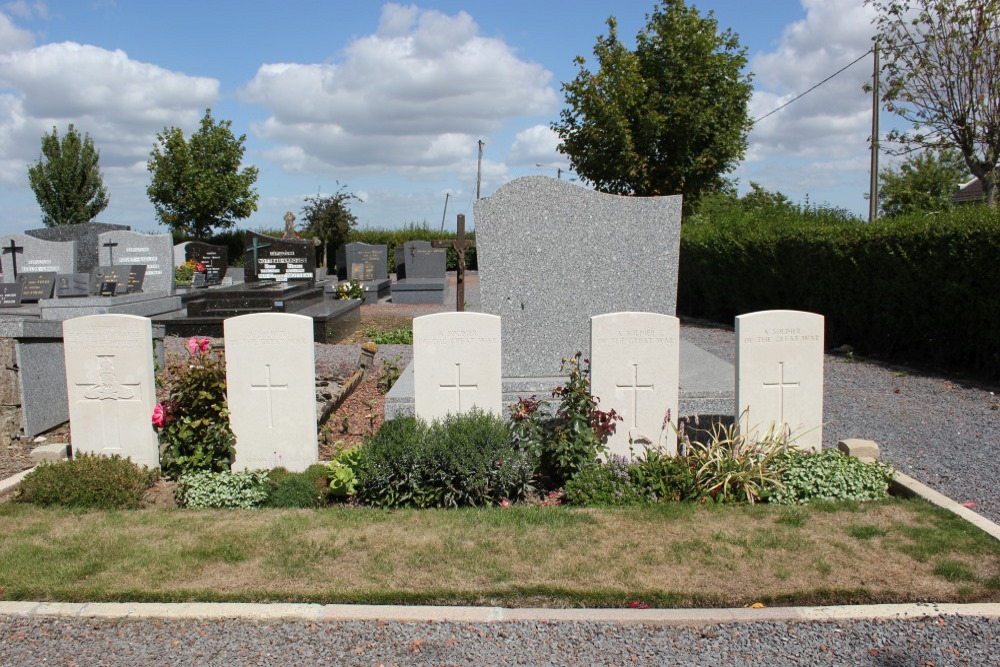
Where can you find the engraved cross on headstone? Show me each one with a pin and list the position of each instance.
(634, 389)
(780, 385)
(460, 244)
(13, 249)
(255, 248)
(111, 245)
(458, 386)
(269, 387)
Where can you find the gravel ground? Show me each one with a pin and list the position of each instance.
(934, 642)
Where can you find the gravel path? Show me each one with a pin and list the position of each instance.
(937, 642)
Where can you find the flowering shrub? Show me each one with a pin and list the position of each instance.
(184, 274)
(575, 436)
(193, 423)
(350, 290)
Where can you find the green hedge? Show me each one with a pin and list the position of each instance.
(921, 289)
(397, 237)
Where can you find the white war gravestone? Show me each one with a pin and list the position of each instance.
(271, 380)
(779, 373)
(456, 364)
(635, 370)
(109, 382)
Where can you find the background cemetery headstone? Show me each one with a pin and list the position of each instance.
(86, 237)
(779, 373)
(269, 258)
(154, 251)
(368, 264)
(456, 364)
(271, 380)
(72, 285)
(214, 257)
(635, 370)
(110, 385)
(420, 273)
(553, 254)
(34, 255)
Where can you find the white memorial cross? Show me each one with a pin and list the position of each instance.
(268, 388)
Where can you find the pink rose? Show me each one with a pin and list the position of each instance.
(192, 345)
(504, 503)
(158, 416)
(203, 345)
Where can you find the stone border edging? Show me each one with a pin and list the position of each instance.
(318, 613)
(11, 484)
(906, 485)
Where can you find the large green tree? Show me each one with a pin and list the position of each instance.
(67, 179)
(197, 185)
(669, 117)
(923, 182)
(941, 72)
(329, 220)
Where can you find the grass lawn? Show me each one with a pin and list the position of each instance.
(672, 555)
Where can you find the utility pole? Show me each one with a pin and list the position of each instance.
(873, 186)
(446, 195)
(479, 169)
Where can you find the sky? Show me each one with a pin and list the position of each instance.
(390, 100)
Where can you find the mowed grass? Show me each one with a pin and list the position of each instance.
(670, 555)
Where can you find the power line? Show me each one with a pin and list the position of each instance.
(801, 95)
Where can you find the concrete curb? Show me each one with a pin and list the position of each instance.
(317, 613)
(11, 484)
(906, 485)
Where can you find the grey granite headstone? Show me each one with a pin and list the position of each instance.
(362, 261)
(155, 251)
(553, 254)
(419, 259)
(35, 256)
(269, 258)
(85, 236)
(214, 257)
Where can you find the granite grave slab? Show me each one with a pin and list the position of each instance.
(214, 257)
(85, 236)
(36, 286)
(279, 260)
(154, 251)
(368, 264)
(420, 274)
(27, 254)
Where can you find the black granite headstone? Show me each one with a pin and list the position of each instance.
(419, 259)
(108, 274)
(362, 261)
(214, 257)
(35, 286)
(135, 279)
(84, 234)
(271, 259)
(10, 295)
(69, 285)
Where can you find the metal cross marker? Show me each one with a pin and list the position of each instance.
(111, 245)
(635, 388)
(458, 386)
(109, 388)
(780, 385)
(13, 249)
(460, 244)
(269, 387)
(256, 247)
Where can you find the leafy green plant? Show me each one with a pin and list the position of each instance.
(342, 473)
(390, 373)
(660, 477)
(575, 437)
(351, 289)
(226, 490)
(829, 475)
(462, 460)
(193, 423)
(735, 466)
(294, 490)
(604, 484)
(399, 336)
(90, 481)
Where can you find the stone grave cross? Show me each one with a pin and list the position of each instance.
(634, 390)
(256, 247)
(110, 245)
(460, 244)
(13, 249)
(780, 385)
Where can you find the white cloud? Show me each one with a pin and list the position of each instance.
(416, 95)
(26, 10)
(13, 38)
(537, 145)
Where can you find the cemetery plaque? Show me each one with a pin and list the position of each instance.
(635, 371)
(199, 280)
(70, 285)
(107, 288)
(35, 286)
(10, 295)
(214, 257)
(109, 379)
(108, 274)
(779, 374)
(362, 261)
(136, 278)
(27, 254)
(271, 380)
(269, 258)
(154, 251)
(456, 364)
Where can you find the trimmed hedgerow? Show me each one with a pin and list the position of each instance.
(829, 475)
(90, 481)
(464, 460)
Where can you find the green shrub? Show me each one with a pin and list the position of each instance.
(342, 473)
(465, 460)
(395, 238)
(90, 481)
(662, 478)
(294, 490)
(400, 336)
(193, 423)
(829, 475)
(735, 465)
(602, 485)
(226, 490)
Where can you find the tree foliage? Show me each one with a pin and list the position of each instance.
(328, 218)
(667, 118)
(923, 182)
(197, 185)
(67, 179)
(941, 73)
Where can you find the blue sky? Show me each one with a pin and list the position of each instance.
(390, 99)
